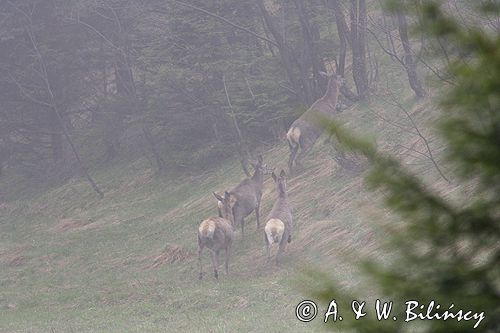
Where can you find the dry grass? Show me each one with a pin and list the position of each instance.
(14, 257)
(130, 259)
(170, 254)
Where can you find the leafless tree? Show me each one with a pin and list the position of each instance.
(358, 46)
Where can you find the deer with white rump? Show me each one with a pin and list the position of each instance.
(303, 132)
(278, 229)
(216, 233)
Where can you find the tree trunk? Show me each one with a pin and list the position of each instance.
(123, 76)
(315, 62)
(343, 31)
(299, 86)
(2, 157)
(358, 32)
(110, 136)
(160, 163)
(56, 143)
(408, 59)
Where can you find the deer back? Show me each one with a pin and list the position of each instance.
(326, 105)
(281, 209)
(247, 194)
(215, 233)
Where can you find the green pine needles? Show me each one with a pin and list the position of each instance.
(446, 253)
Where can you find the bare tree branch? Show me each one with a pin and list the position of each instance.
(25, 93)
(53, 104)
(395, 102)
(243, 149)
(234, 25)
(393, 55)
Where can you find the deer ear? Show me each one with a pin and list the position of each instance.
(282, 173)
(274, 176)
(218, 197)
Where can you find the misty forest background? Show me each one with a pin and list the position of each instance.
(118, 119)
(185, 89)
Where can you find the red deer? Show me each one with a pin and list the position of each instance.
(303, 133)
(246, 196)
(278, 229)
(216, 233)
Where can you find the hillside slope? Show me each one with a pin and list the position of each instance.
(128, 263)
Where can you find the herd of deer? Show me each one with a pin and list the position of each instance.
(217, 233)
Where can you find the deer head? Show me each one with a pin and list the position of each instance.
(333, 79)
(224, 205)
(280, 182)
(260, 167)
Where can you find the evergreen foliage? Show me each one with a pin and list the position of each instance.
(446, 251)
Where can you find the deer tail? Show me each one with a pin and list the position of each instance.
(293, 136)
(274, 230)
(206, 229)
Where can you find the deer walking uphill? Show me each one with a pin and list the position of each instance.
(278, 229)
(216, 233)
(246, 196)
(303, 132)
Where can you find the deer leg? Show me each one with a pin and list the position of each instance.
(280, 250)
(228, 251)
(268, 247)
(238, 218)
(257, 214)
(200, 249)
(293, 153)
(215, 263)
(242, 229)
(304, 149)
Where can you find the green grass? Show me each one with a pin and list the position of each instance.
(72, 263)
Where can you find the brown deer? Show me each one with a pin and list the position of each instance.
(247, 195)
(216, 233)
(278, 229)
(303, 132)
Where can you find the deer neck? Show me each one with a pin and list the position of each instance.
(227, 216)
(281, 193)
(331, 95)
(258, 177)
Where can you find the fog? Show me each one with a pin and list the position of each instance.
(184, 165)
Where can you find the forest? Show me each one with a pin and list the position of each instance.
(91, 82)
(365, 122)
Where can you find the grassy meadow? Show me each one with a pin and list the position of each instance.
(128, 263)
